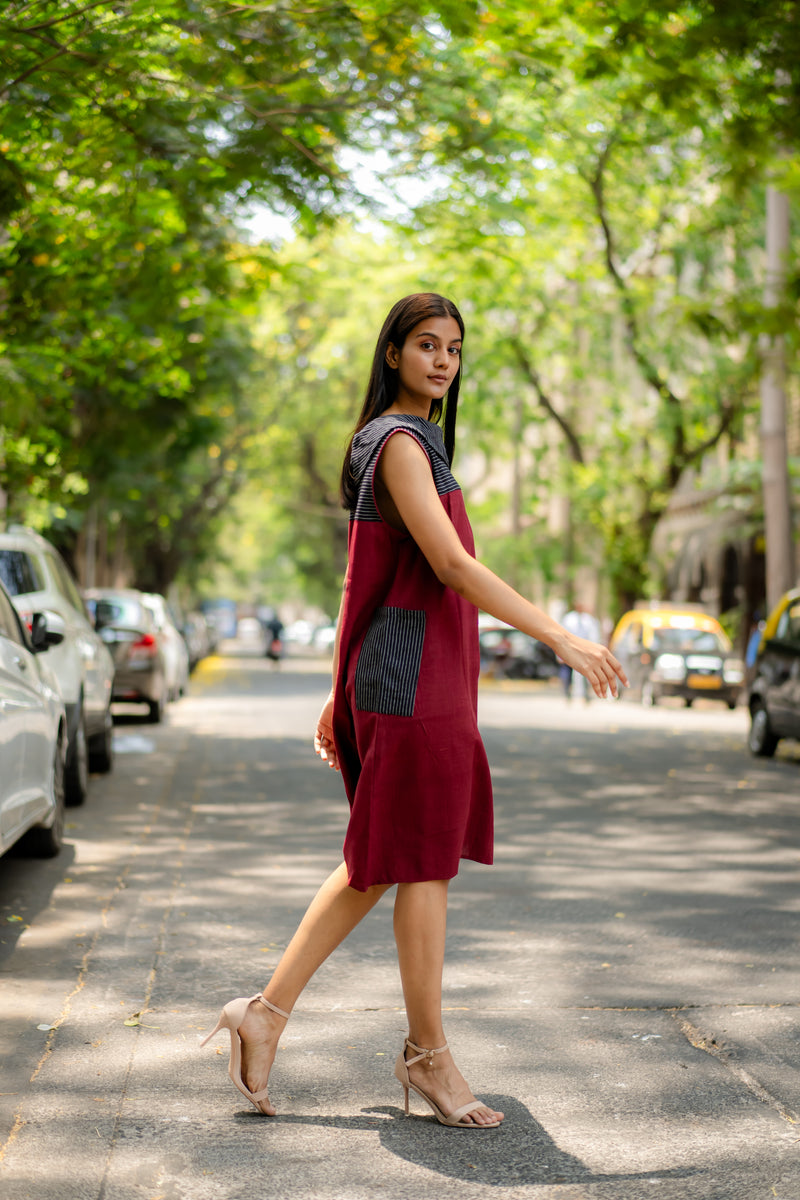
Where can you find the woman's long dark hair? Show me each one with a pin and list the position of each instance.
(383, 380)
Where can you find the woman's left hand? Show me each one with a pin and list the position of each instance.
(323, 736)
(595, 662)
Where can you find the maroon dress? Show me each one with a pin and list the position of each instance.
(405, 713)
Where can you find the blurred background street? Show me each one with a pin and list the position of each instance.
(623, 982)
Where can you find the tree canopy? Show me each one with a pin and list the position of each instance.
(586, 180)
(135, 137)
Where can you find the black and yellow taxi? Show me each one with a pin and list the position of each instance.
(671, 650)
(774, 697)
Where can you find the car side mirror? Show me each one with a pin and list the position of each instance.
(47, 629)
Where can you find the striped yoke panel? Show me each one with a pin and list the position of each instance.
(367, 445)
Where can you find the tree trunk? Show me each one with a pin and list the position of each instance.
(775, 479)
(516, 487)
(3, 495)
(90, 548)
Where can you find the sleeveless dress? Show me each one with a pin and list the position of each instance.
(405, 711)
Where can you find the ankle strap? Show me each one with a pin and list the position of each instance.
(423, 1053)
(273, 1007)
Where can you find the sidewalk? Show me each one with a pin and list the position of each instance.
(623, 983)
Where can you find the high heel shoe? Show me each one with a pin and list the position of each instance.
(456, 1118)
(231, 1018)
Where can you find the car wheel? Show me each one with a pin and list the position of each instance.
(761, 741)
(156, 708)
(46, 843)
(101, 747)
(77, 770)
(649, 697)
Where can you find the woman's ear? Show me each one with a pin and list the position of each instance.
(392, 355)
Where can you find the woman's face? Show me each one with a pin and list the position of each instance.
(427, 362)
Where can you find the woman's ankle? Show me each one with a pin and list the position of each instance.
(272, 1005)
(428, 1039)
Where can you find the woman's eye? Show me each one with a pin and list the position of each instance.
(455, 350)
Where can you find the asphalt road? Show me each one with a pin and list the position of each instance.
(623, 983)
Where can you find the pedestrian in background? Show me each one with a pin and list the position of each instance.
(401, 718)
(581, 621)
(753, 644)
(272, 626)
(274, 650)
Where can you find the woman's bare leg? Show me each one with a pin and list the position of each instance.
(333, 913)
(420, 924)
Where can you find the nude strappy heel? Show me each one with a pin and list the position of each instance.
(456, 1118)
(231, 1018)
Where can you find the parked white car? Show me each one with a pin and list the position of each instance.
(176, 656)
(33, 734)
(38, 580)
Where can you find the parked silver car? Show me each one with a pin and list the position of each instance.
(176, 655)
(37, 580)
(129, 629)
(33, 733)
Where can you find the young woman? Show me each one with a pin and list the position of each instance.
(400, 721)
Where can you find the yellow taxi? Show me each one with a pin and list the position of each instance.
(674, 650)
(774, 699)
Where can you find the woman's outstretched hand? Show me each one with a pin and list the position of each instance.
(594, 661)
(323, 737)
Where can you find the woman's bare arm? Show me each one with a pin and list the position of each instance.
(406, 474)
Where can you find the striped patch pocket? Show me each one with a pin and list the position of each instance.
(388, 665)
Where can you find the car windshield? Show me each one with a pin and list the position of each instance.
(123, 611)
(789, 625)
(687, 641)
(18, 572)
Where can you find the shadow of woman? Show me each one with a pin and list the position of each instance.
(518, 1152)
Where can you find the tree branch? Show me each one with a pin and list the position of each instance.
(729, 412)
(61, 50)
(575, 450)
(308, 459)
(648, 369)
(211, 488)
(28, 29)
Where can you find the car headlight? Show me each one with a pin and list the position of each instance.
(670, 666)
(733, 671)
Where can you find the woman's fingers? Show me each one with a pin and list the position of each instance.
(607, 674)
(324, 747)
(323, 735)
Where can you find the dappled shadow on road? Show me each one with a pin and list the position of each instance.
(602, 845)
(639, 868)
(633, 874)
(26, 888)
(626, 839)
